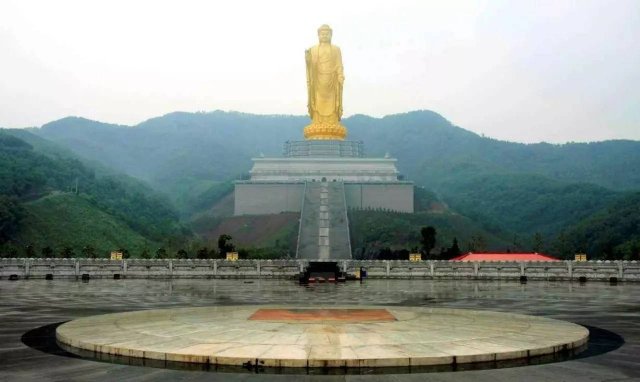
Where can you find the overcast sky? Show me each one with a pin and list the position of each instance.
(524, 71)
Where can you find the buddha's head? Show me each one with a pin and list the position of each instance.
(324, 34)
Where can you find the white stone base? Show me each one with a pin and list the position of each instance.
(330, 169)
(262, 198)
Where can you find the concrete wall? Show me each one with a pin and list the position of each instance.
(272, 198)
(390, 196)
(173, 268)
(267, 198)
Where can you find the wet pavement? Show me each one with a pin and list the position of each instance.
(29, 307)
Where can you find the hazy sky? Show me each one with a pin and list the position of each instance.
(524, 71)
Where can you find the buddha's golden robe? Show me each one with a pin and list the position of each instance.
(324, 84)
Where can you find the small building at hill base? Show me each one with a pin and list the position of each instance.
(526, 256)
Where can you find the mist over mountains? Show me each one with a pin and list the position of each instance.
(510, 189)
(430, 150)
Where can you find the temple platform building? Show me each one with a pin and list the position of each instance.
(277, 184)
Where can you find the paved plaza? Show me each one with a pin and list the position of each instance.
(29, 307)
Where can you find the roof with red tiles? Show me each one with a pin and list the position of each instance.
(505, 257)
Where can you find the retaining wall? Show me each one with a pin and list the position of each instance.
(175, 268)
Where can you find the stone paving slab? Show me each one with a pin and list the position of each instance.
(286, 336)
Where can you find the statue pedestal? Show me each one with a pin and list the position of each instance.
(325, 131)
(277, 184)
(324, 148)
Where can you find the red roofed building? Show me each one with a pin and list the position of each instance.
(504, 257)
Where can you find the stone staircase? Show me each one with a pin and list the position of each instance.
(324, 227)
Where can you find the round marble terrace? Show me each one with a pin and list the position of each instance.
(285, 336)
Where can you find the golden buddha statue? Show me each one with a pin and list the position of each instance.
(324, 85)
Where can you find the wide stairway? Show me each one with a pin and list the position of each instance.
(324, 228)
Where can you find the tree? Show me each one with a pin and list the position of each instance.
(145, 254)
(9, 249)
(516, 243)
(12, 249)
(563, 246)
(635, 251)
(11, 213)
(89, 252)
(608, 250)
(477, 243)
(385, 254)
(243, 253)
(203, 253)
(47, 252)
(225, 245)
(67, 253)
(161, 253)
(29, 251)
(454, 251)
(428, 240)
(182, 254)
(125, 253)
(538, 242)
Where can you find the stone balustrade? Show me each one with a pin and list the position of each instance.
(38, 268)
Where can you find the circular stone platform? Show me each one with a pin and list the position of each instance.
(322, 336)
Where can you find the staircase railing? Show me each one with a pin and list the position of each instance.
(346, 218)
(304, 197)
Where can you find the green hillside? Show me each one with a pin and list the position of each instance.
(611, 233)
(27, 176)
(373, 231)
(526, 203)
(66, 220)
(262, 236)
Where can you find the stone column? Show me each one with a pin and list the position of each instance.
(388, 268)
(215, 268)
(620, 270)
(431, 268)
(77, 268)
(170, 268)
(475, 269)
(124, 268)
(570, 268)
(258, 267)
(26, 268)
(521, 268)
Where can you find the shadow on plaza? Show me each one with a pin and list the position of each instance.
(43, 339)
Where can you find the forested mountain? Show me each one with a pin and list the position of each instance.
(611, 233)
(181, 147)
(179, 151)
(512, 191)
(526, 203)
(432, 151)
(31, 179)
(72, 225)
